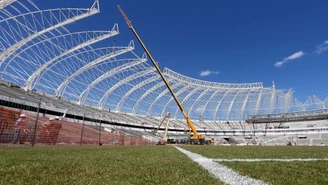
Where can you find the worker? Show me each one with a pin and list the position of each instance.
(46, 125)
(18, 129)
(44, 136)
(55, 128)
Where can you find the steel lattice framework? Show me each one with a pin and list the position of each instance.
(38, 52)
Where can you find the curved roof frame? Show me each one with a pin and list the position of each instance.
(198, 98)
(186, 99)
(208, 84)
(209, 100)
(58, 37)
(244, 105)
(136, 75)
(219, 104)
(110, 73)
(135, 88)
(134, 110)
(5, 3)
(80, 56)
(66, 47)
(160, 95)
(57, 19)
(28, 84)
(232, 103)
(61, 88)
(9, 14)
(180, 91)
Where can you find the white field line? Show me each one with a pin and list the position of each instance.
(264, 160)
(221, 172)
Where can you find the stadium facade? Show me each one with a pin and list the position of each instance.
(38, 53)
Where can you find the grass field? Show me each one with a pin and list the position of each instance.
(155, 165)
(99, 165)
(283, 173)
(251, 152)
(280, 173)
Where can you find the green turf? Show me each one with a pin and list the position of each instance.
(251, 152)
(280, 173)
(284, 173)
(100, 165)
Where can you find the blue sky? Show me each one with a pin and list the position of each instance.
(239, 41)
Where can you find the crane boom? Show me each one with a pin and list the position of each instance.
(189, 122)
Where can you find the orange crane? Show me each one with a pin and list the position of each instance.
(195, 137)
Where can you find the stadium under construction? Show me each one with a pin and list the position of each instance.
(46, 70)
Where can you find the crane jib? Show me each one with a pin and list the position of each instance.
(189, 122)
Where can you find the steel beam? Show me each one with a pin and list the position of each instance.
(147, 93)
(258, 102)
(139, 74)
(140, 85)
(231, 105)
(160, 95)
(208, 84)
(4, 3)
(208, 101)
(88, 12)
(108, 74)
(36, 73)
(183, 100)
(177, 94)
(218, 106)
(273, 100)
(61, 88)
(244, 105)
(198, 98)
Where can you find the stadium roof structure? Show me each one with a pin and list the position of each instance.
(38, 52)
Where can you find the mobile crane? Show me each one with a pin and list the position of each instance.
(167, 116)
(195, 137)
(164, 138)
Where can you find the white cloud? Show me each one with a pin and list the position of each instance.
(291, 57)
(322, 48)
(208, 72)
(199, 110)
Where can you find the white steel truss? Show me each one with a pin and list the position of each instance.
(198, 98)
(103, 99)
(258, 102)
(4, 3)
(61, 88)
(140, 85)
(208, 101)
(65, 66)
(231, 104)
(40, 24)
(186, 98)
(210, 84)
(244, 105)
(180, 91)
(147, 93)
(110, 73)
(160, 95)
(273, 99)
(219, 104)
(96, 37)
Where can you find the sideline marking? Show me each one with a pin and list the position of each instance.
(264, 160)
(221, 172)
